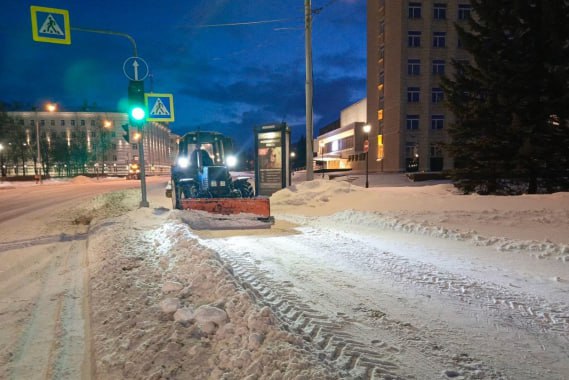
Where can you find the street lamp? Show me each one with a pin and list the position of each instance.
(367, 128)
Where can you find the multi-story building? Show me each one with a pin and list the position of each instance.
(91, 142)
(410, 46)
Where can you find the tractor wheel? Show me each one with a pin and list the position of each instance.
(176, 197)
(245, 188)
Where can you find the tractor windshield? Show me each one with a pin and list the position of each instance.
(206, 156)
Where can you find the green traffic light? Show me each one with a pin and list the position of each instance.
(137, 113)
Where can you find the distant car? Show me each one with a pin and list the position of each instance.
(133, 171)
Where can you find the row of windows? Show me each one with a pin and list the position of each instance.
(414, 67)
(73, 134)
(414, 95)
(61, 122)
(337, 145)
(439, 40)
(437, 122)
(357, 157)
(439, 11)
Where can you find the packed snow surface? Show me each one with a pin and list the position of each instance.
(399, 281)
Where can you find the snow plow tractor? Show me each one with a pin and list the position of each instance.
(202, 183)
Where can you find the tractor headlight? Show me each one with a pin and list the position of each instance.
(231, 161)
(183, 162)
(213, 183)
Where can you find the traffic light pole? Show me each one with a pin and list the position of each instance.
(109, 32)
(144, 201)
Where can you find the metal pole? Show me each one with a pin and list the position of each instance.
(367, 168)
(309, 126)
(38, 143)
(109, 32)
(144, 201)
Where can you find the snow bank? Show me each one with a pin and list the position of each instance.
(312, 193)
(166, 307)
(535, 224)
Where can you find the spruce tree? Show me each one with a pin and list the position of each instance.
(511, 103)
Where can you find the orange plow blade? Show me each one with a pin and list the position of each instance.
(229, 213)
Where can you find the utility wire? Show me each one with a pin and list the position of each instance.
(244, 23)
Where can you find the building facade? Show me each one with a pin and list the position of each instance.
(90, 143)
(341, 144)
(410, 47)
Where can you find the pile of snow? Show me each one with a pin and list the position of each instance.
(166, 307)
(312, 193)
(202, 220)
(537, 225)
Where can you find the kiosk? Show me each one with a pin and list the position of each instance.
(272, 158)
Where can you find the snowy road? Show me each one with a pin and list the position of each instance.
(386, 303)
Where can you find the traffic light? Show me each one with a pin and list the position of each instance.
(126, 134)
(136, 104)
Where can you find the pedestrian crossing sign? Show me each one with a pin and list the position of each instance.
(160, 107)
(50, 25)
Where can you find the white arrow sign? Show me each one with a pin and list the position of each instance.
(137, 70)
(135, 65)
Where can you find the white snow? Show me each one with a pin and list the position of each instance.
(401, 280)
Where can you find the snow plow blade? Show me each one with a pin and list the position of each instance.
(228, 213)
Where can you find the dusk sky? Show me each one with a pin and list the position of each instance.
(227, 79)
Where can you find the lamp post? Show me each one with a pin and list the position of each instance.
(51, 108)
(367, 128)
(2, 167)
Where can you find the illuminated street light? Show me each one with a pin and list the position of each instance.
(367, 128)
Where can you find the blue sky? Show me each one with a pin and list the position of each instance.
(226, 79)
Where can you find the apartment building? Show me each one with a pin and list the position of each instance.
(410, 46)
(81, 133)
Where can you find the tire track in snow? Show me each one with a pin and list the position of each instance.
(505, 307)
(353, 358)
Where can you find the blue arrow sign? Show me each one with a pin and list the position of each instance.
(160, 107)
